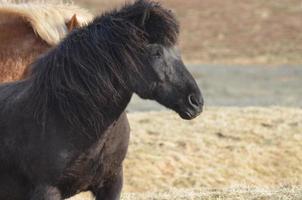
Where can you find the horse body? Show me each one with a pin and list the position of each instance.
(18, 52)
(64, 130)
(53, 155)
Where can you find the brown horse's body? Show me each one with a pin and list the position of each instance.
(19, 46)
(23, 37)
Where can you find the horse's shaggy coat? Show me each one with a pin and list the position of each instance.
(63, 129)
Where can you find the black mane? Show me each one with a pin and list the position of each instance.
(79, 80)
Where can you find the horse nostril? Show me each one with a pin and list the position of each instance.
(193, 101)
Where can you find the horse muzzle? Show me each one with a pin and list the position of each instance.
(193, 108)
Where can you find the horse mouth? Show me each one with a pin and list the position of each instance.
(190, 114)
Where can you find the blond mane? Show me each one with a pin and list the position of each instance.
(48, 20)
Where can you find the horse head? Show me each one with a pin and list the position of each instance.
(164, 77)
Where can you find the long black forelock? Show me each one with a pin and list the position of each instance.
(88, 68)
(159, 24)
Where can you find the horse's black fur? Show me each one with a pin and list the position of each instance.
(63, 129)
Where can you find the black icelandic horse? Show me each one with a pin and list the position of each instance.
(63, 129)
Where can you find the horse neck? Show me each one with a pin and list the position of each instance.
(78, 84)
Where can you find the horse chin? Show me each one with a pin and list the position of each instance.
(184, 111)
(189, 114)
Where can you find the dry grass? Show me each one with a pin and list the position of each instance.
(233, 31)
(233, 193)
(224, 148)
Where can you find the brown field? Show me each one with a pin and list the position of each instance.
(233, 31)
(230, 153)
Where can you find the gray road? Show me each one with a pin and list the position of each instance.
(241, 86)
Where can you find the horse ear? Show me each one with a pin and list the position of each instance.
(144, 18)
(73, 23)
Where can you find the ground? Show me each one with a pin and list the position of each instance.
(233, 31)
(227, 152)
(233, 193)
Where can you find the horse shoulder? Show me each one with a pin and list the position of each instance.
(100, 161)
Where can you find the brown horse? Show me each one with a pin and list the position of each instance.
(30, 29)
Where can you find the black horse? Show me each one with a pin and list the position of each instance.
(63, 129)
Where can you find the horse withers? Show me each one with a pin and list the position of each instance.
(64, 129)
